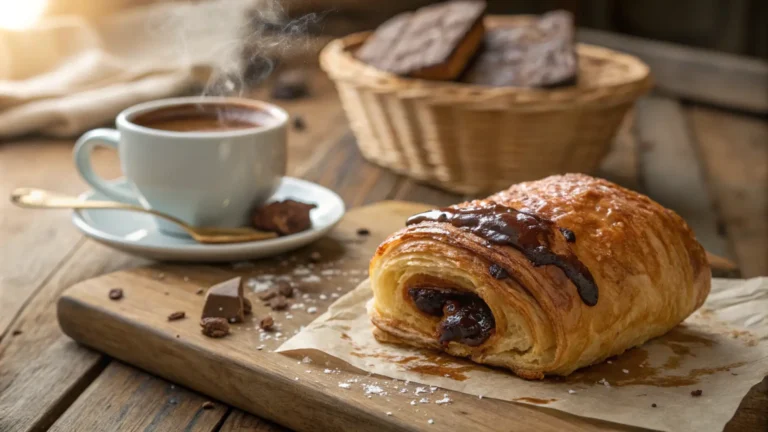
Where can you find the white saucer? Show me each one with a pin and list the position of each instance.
(136, 233)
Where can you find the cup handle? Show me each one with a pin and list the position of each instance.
(82, 156)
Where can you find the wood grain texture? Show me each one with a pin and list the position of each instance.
(124, 398)
(735, 153)
(34, 243)
(721, 79)
(670, 169)
(233, 370)
(239, 421)
(41, 370)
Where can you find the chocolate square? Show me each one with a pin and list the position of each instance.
(225, 300)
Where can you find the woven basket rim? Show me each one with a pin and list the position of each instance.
(337, 60)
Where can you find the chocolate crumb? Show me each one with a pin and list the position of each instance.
(267, 323)
(696, 393)
(278, 303)
(298, 123)
(208, 405)
(166, 293)
(199, 291)
(653, 405)
(215, 327)
(247, 306)
(363, 232)
(498, 272)
(570, 237)
(176, 316)
(177, 336)
(285, 289)
(315, 257)
(734, 374)
(16, 332)
(267, 295)
(115, 293)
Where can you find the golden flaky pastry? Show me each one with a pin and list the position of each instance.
(543, 278)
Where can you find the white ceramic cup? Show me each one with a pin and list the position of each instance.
(206, 178)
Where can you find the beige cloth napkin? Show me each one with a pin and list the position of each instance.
(68, 75)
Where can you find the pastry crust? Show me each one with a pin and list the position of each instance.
(650, 271)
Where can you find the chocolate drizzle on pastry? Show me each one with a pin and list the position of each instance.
(466, 317)
(527, 233)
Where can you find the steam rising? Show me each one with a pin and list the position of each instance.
(232, 44)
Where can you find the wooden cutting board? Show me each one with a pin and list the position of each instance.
(242, 370)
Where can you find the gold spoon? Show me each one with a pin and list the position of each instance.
(39, 198)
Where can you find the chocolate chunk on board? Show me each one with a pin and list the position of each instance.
(435, 42)
(283, 217)
(536, 53)
(225, 300)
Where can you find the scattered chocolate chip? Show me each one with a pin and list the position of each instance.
(696, 393)
(570, 237)
(16, 332)
(200, 291)
(278, 303)
(177, 336)
(267, 295)
(298, 123)
(315, 257)
(247, 306)
(267, 323)
(215, 327)
(363, 232)
(653, 405)
(115, 293)
(176, 316)
(498, 272)
(208, 405)
(285, 289)
(283, 217)
(734, 374)
(289, 85)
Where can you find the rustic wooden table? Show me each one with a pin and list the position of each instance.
(709, 165)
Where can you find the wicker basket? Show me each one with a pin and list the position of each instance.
(474, 139)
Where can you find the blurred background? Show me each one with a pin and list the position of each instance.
(697, 144)
(734, 26)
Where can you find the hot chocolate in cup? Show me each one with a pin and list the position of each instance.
(207, 161)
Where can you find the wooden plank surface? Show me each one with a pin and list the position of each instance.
(712, 77)
(124, 398)
(670, 169)
(735, 151)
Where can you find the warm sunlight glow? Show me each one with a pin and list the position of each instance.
(20, 14)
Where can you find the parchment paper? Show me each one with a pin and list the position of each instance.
(721, 350)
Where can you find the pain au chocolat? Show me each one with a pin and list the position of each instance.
(435, 42)
(543, 278)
